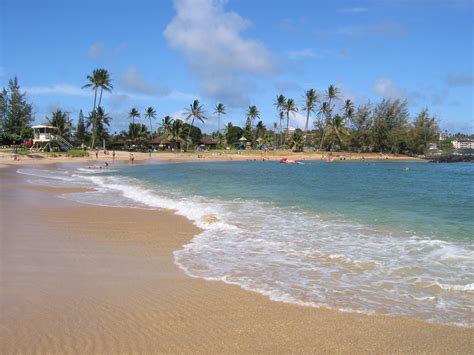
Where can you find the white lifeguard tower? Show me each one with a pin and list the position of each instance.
(44, 136)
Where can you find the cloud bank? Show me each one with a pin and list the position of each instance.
(221, 58)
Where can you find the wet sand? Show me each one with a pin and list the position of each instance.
(86, 279)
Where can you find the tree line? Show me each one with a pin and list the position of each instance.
(330, 123)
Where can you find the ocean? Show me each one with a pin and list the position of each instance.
(391, 238)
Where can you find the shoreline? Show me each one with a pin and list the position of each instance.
(123, 157)
(161, 309)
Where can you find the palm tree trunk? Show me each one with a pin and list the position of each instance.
(189, 133)
(306, 127)
(287, 126)
(151, 132)
(218, 122)
(94, 123)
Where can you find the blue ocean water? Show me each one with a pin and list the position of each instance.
(392, 238)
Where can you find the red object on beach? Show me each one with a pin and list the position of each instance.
(283, 160)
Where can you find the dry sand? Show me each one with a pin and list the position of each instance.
(86, 279)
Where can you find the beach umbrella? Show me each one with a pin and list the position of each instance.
(243, 139)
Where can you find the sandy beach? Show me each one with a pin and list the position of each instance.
(79, 278)
(123, 156)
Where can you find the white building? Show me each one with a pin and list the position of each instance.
(291, 131)
(463, 144)
(443, 136)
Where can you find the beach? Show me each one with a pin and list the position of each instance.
(79, 278)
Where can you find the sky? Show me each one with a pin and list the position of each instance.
(165, 54)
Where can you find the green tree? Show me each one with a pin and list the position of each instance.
(61, 121)
(311, 99)
(195, 111)
(219, 110)
(138, 133)
(99, 80)
(296, 141)
(15, 111)
(80, 129)
(252, 114)
(175, 134)
(290, 107)
(150, 113)
(102, 121)
(233, 134)
(133, 114)
(425, 130)
(280, 104)
(337, 130)
(166, 124)
(390, 123)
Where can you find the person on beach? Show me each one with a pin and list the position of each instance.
(97, 153)
(131, 158)
(113, 155)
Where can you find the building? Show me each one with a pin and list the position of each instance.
(443, 136)
(45, 137)
(291, 131)
(463, 144)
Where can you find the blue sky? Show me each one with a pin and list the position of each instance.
(240, 52)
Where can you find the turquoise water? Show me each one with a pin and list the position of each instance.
(436, 200)
(355, 236)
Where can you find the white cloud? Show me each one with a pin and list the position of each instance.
(56, 89)
(218, 54)
(387, 89)
(133, 81)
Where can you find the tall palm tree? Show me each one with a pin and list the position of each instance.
(311, 98)
(100, 79)
(280, 103)
(332, 93)
(275, 127)
(150, 113)
(195, 111)
(133, 114)
(348, 109)
(175, 133)
(220, 110)
(252, 114)
(290, 106)
(101, 119)
(325, 111)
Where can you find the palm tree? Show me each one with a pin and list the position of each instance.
(132, 114)
(348, 109)
(100, 79)
(61, 121)
(325, 112)
(101, 120)
(332, 93)
(260, 129)
(150, 113)
(195, 111)
(311, 98)
(280, 103)
(289, 107)
(175, 133)
(275, 127)
(338, 129)
(220, 110)
(166, 123)
(252, 114)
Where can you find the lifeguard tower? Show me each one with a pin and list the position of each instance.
(46, 136)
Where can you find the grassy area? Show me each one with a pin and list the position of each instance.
(77, 153)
